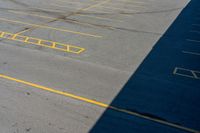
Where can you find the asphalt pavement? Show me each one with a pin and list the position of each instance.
(64, 64)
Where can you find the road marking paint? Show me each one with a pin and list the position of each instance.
(192, 53)
(53, 28)
(45, 43)
(49, 10)
(78, 13)
(111, 4)
(23, 31)
(48, 17)
(48, 27)
(192, 40)
(97, 103)
(94, 0)
(130, 1)
(75, 2)
(55, 91)
(63, 6)
(102, 18)
(125, 4)
(116, 8)
(186, 73)
(96, 5)
(101, 6)
(111, 11)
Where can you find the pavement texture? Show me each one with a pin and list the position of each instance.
(166, 85)
(99, 66)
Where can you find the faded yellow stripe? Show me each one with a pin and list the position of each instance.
(96, 5)
(48, 17)
(48, 27)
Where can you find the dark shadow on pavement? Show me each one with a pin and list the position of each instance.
(166, 86)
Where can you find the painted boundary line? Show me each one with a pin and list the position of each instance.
(48, 27)
(100, 104)
(45, 43)
(34, 26)
(48, 17)
(186, 73)
(96, 5)
(101, 6)
(191, 53)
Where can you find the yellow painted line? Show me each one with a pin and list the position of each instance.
(100, 6)
(45, 43)
(48, 27)
(97, 103)
(96, 5)
(94, 0)
(99, 11)
(126, 4)
(118, 5)
(48, 17)
(74, 2)
(102, 18)
(29, 29)
(108, 4)
(72, 7)
(78, 14)
(63, 6)
(55, 91)
(116, 8)
(50, 10)
(32, 14)
(131, 1)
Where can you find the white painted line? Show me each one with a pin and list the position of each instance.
(192, 53)
(193, 73)
(192, 40)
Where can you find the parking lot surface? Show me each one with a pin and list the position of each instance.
(77, 66)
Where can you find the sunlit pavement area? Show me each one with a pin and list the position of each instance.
(78, 66)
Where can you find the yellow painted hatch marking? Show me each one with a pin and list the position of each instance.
(45, 43)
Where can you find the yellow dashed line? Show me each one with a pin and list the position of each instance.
(48, 27)
(45, 43)
(97, 103)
